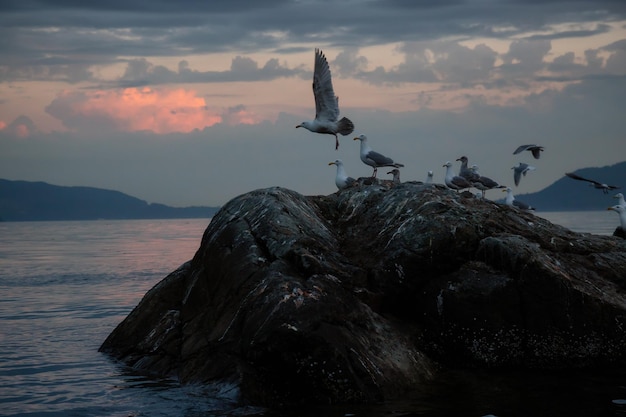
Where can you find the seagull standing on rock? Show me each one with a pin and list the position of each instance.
(454, 181)
(342, 180)
(373, 158)
(511, 201)
(396, 175)
(326, 103)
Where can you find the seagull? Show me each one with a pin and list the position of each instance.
(604, 187)
(483, 183)
(511, 201)
(373, 158)
(429, 177)
(326, 103)
(465, 172)
(342, 180)
(534, 149)
(620, 199)
(454, 181)
(621, 210)
(521, 169)
(396, 175)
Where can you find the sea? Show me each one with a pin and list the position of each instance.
(65, 285)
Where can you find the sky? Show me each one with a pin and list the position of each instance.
(195, 102)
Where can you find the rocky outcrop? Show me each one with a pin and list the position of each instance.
(360, 295)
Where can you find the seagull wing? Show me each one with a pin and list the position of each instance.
(379, 159)
(516, 175)
(326, 103)
(521, 149)
(578, 177)
(536, 151)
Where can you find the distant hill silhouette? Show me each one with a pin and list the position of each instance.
(34, 201)
(567, 194)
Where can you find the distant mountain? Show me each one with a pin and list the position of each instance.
(567, 194)
(33, 201)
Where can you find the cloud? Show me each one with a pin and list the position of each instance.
(22, 127)
(136, 109)
(141, 72)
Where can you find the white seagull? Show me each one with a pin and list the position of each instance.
(534, 149)
(396, 175)
(373, 158)
(454, 181)
(519, 170)
(342, 180)
(326, 103)
(429, 177)
(511, 201)
(620, 199)
(621, 210)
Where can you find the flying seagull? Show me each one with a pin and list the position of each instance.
(534, 149)
(604, 187)
(520, 170)
(342, 180)
(326, 103)
(511, 201)
(373, 158)
(454, 181)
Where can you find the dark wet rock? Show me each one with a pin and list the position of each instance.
(361, 295)
(620, 232)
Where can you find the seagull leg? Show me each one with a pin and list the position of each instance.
(375, 171)
(336, 142)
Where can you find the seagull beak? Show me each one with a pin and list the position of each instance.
(331, 163)
(356, 138)
(610, 208)
(298, 126)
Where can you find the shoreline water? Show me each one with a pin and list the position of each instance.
(66, 285)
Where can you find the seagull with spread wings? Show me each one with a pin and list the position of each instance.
(519, 170)
(326, 103)
(601, 186)
(534, 149)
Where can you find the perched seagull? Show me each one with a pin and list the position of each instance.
(620, 199)
(396, 175)
(511, 201)
(465, 172)
(621, 210)
(483, 183)
(521, 169)
(342, 180)
(373, 158)
(454, 181)
(534, 149)
(326, 103)
(604, 187)
(429, 177)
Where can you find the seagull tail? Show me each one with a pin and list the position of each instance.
(345, 126)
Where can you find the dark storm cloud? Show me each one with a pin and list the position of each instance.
(60, 40)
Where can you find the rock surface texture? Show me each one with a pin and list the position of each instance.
(361, 295)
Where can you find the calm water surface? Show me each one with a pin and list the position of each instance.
(64, 286)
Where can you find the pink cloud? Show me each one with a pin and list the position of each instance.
(134, 109)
